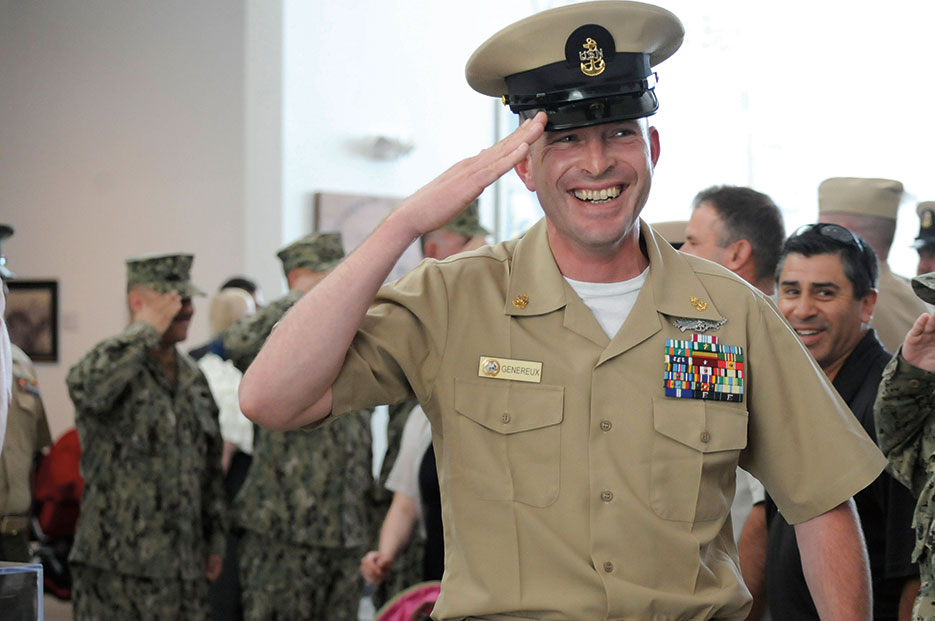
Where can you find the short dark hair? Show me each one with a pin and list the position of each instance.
(239, 282)
(858, 257)
(751, 215)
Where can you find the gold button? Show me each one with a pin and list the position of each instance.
(607, 495)
(914, 383)
(705, 437)
(505, 418)
(608, 567)
(606, 425)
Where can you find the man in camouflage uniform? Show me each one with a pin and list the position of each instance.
(304, 508)
(152, 526)
(906, 434)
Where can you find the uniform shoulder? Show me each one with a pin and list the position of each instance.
(713, 273)
(22, 364)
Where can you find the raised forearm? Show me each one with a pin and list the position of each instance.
(101, 376)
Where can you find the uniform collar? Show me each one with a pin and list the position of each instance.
(676, 290)
(537, 287)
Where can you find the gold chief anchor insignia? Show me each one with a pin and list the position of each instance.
(700, 305)
(521, 301)
(592, 59)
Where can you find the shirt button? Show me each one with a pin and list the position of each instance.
(607, 495)
(505, 418)
(608, 567)
(606, 425)
(914, 383)
(705, 437)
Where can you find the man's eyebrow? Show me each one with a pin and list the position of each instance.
(825, 285)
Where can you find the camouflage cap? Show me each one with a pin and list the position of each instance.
(926, 211)
(163, 273)
(5, 231)
(868, 197)
(467, 222)
(318, 252)
(924, 286)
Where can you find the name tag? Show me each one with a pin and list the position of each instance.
(504, 368)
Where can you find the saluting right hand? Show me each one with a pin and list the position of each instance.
(919, 345)
(437, 203)
(156, 309)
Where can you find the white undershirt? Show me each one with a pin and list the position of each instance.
(610, 302)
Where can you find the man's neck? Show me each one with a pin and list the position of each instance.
(166, 357)
(621, 262)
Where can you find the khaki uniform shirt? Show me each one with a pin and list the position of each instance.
(897, 308)
(587, 493)
(27, 433)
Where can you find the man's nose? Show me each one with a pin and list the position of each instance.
(597, 158)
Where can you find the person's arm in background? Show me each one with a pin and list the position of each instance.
(752, 550)
(835, 564)
(401, 518)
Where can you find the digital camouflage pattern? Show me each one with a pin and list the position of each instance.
(153, 504)
(467, 222)
(163, 273)
(285, 581)
(318, 252)
(307, 496)
(106, 595)
(906, 435)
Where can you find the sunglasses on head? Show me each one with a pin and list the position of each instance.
(832, 231)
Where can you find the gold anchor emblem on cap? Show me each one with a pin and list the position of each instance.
(592, 60)
(699, 304)
(521, 301)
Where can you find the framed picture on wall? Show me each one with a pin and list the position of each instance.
(355, 216)
(32, 317)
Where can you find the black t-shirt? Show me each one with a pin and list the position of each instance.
(885, 508)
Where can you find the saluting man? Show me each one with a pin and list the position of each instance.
(591, 390)
(153, 514)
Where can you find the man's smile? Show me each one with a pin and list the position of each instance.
(598, 196)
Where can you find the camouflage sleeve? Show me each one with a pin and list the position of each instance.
(243, 340)
(904, 401)
(214, 504)
(98, 379)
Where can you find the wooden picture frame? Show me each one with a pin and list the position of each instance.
(356, 216)
(32, 317)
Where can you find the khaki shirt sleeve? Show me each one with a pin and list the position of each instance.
(904, 402)
(804, 444)
(396, 353)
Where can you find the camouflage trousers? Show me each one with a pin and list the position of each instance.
(924, 609)
(101, 595)
(284, 581)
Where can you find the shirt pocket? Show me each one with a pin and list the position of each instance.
(695, 451)
(507, 440)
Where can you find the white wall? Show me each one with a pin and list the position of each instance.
(121, 133)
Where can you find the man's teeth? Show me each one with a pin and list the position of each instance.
(807, 332)
(598, 195)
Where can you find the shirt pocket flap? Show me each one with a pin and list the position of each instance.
(702, 425)
(509, 407)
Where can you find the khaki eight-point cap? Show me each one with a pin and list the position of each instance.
(584, 64)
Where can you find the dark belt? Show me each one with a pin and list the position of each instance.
(13, 524)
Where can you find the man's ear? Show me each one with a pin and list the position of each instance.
(525, 174)
(654, 145)
(867, 305)
(739, 254)
(134, 300)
